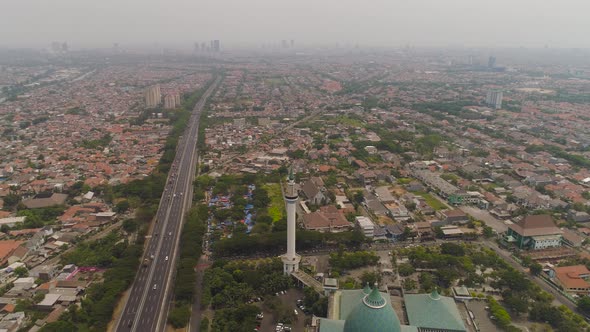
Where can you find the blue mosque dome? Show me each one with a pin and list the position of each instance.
(372, 314)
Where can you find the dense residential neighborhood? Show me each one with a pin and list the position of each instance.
(391, 178)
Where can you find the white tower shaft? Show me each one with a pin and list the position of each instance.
(291, 221)
(291, 259)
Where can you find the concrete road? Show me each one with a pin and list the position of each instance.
(498, 225)
(559, 299)
(147, 306)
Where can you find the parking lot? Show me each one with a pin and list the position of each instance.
(268, 323)
(481, 315)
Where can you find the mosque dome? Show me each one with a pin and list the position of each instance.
(372, 314)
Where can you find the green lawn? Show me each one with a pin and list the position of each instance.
(276, 210)
(404, 180)
(433, 202)
(350, 121)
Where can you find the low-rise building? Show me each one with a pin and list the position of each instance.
(327, 219)
(534, 232)
(366, 225)
(573, 279)
(572, 239)
(455, 216)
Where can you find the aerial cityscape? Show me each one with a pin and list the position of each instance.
(292, 181)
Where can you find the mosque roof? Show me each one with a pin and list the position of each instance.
(442, 312)
(373, 313)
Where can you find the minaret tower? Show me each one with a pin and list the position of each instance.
(291, 259)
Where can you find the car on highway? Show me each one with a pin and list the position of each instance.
(169, 233)
(166, 258)
(155, 286)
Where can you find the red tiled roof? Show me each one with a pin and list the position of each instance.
(571, 276)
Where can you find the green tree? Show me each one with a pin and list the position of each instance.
(409, 284)
(452, 249)
(370, 278)
(130, 225)
(488, 232)
(38, 297)
(405, 269)
(21, 272)
(11, 201)
(179, 316)
(122, 206)
(204, 325)
(59, 326)
(584, 305)
(536, 268)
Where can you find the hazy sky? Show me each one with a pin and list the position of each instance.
(494, 23)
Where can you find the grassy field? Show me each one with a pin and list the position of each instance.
(276, 210)
(350, 121)
(404, 180)
(433, 202)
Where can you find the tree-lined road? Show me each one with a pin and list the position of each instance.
(147, 305)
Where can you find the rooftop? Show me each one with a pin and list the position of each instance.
(535, 225)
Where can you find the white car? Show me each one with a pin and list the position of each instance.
(166, 258)
(155, 286)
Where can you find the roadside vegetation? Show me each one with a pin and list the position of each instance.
(482, 269)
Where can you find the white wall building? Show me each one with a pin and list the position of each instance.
(366, 226)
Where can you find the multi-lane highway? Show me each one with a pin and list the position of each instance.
(146, 308)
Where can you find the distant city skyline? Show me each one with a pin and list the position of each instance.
(500, 23)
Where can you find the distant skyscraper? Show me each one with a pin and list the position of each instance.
(56, 47)
(494, 99)
(292, 43)
(492, 62)
(284, 44)
(152, 96)
(203, 47)
(215, 46)
(196, 47)
(169, 102)
(64, 47)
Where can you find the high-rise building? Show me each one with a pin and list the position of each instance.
(494, 98)
(284, 44)
(171, 101)
(215, 45)
(152, 96)
(491, 62)
(292, 43)
(56, 47)
(291, 259)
